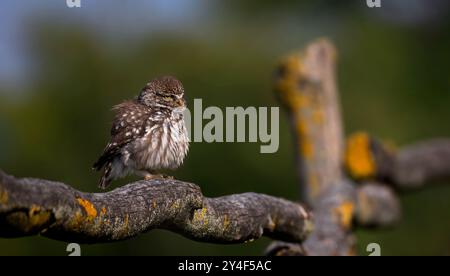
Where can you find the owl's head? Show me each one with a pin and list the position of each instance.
(163, 92)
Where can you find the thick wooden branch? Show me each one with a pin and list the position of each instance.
(306, 86)
(334, 217)
(333, 225)
(376, 205)
(366, 158)
(34, 206)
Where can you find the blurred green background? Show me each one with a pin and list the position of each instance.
(62, 69)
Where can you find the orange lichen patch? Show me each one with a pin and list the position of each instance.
(292, 98)
(307, 149)
(37, 217)
(300, 100)
(359, 160)
(345, 214)
(287, 84)
(3, 197)
(154, 204)
(301, 127)
(103, 211)
(88, 207)
(34, 209)
(318, 117)
(287, 89)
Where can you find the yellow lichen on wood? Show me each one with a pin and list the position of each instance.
(76, 220)
(314, 186)
(359, 160)
(226, 222)
(292, 95)
(306, 146)
(307, 149)
(103, 211)
(200, 215)
(308, 228)
(287, 83)
(301, 127)
(344, 212)
(3, 197)
(91, 212)
(318, 117)
(125, 223)
(37, 217)
(175, 205)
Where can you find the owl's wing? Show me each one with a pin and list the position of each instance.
(128, 125)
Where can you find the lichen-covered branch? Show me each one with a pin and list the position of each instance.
(306, 86)
(332, 235)
(334, 220)
(413, 166)
(31, 206)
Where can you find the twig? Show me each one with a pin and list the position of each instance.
(377, 205)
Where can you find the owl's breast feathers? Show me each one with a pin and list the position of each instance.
(164, 143)
(144, 138)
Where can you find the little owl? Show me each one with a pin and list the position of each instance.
(148, 134)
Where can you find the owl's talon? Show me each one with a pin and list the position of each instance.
(156, 176)
(150, 176)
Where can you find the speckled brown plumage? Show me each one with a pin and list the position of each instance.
(148, 134)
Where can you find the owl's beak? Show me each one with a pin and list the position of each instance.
(181, 102)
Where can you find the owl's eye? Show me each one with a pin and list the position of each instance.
(167, 98)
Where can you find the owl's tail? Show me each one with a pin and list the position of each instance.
(106, 178)
(105, 164)
(100, 162)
